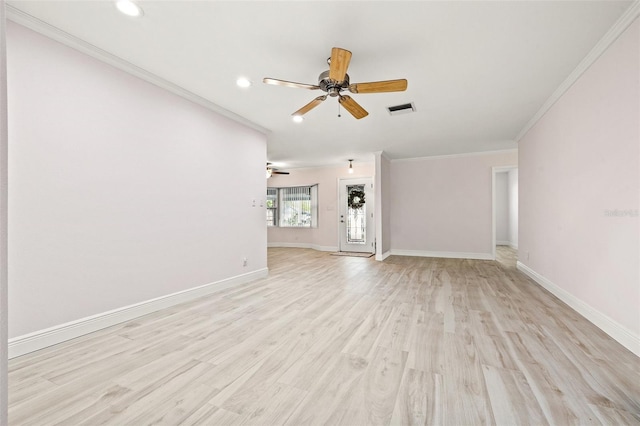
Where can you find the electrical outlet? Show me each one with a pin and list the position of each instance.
(244, 261)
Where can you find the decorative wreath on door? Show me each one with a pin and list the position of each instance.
(356, 198)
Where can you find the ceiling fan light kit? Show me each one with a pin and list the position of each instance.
(336, 80)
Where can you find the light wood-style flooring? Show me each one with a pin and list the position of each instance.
(342, 341)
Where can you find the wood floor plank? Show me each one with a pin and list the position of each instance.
(427, 350)
(243, 398)
(466, 399)
(157, 397)
(613, 416)
(29, 388)
(342, 341)
(397, 329)
(364, 339)
(216, 416)
(420, 399)
(325, 398)
(374, 402)
(597, 374)
(178, 409)
(276, 403)
(512, 400)
(82, 352)
(311, 366)
(542, 380)
(52, 407)
(204, 416)
(100, 401)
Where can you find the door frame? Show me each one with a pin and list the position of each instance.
(370, 201)
(495, 170)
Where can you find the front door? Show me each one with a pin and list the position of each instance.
(356, 215)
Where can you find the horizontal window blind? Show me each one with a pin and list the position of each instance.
(295, 206)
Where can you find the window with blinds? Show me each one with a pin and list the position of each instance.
(293, 206)
(272, 206)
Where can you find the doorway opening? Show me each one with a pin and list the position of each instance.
(505, 208)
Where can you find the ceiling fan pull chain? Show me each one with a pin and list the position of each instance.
(339, 110)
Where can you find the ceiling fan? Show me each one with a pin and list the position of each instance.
(336, 80)
(272, 171)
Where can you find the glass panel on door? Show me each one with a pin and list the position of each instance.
(356, 215)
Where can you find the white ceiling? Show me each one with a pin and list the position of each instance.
(478, 71)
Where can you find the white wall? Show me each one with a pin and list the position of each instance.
(120, 192)
(325, 236)
(383, 205)
(502, 208)
(442, 206)
(3, 222)
(580, 193)
(513, 207)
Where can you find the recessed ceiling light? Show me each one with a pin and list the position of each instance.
(298, 118)
(129, 8)
(243, 82)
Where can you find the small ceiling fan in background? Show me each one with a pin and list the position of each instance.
(272, 171)
(336, 80)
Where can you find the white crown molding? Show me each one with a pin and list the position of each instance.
(627, 18)
(466, 154)
(617, 331)
(382, 154)
(51, 336)
(442, 254)
(76, 43)
(340, 165)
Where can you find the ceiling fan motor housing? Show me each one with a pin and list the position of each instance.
(332, 87)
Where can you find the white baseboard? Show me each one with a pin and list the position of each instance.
(383, 256)
(445, 254)
(617, 331)
(507, 243)
(60, 333)
(303, 245)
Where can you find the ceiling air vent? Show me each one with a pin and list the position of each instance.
(401, 109)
